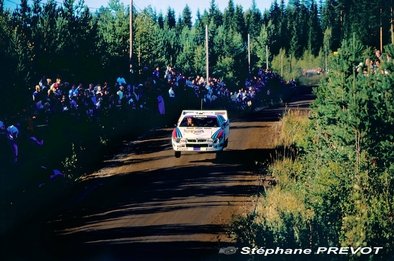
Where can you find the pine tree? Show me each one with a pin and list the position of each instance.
(168, 48)
(273, 25)
(331, 19)
(87, 36)
(160, 20)
(240, 25)
(254, 20)
(187, 17)
(230, 48)
(170, 19)
(262, 41)
(149, 41)
(299, 30)
(8, 64)
(215, 16)
(113, 34)
(186, 56)
(315, 33)
(351, 153)
(229, 16)
(283, 27)
(22, 44)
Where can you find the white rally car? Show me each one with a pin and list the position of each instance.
(201, 130)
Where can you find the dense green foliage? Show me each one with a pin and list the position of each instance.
(353, 122)
(340, 190)
(46, 38)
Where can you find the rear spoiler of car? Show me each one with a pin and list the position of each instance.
(206, 112)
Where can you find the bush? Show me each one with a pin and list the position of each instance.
(294, 129)
(341, 191)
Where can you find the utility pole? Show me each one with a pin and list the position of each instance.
(326, 61)
(267, 55)
(139, 60)
(392, 23)
(281, 63)
(206, 62)
(381, 31)
(249, 54)
(131, 40)
(206, 52)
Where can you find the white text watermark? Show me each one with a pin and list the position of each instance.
(302, 251)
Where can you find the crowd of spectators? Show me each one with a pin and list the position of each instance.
(151, 93)
(160, 94)
(374, 64)
(257, 89)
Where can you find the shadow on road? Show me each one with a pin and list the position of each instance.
(84, 226)
(93, 220)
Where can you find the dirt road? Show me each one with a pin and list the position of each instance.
(147, 199)
(145, 204)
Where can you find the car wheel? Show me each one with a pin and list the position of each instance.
(177, 154)
(225, 143)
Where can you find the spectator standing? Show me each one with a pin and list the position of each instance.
(156, 73)
(161, 105)
(12, 135)
(120, 81)
(72, 92)
(378, 55)
(120, 94)
(4, 151)
(37, 94)
(171, 93)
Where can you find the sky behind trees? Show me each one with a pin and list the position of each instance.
(162, 5)
(178, 5)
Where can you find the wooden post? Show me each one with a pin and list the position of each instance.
(381, 32)
(139, 60)
(266, 53)
(249, 53)
(206, 53)
(392, 24)
(131, 39)
(281, 64)
(206, 61)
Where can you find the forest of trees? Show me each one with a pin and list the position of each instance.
(338, 188)
(45, 38)
(334, 183)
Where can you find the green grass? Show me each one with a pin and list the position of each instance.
(294, 129)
